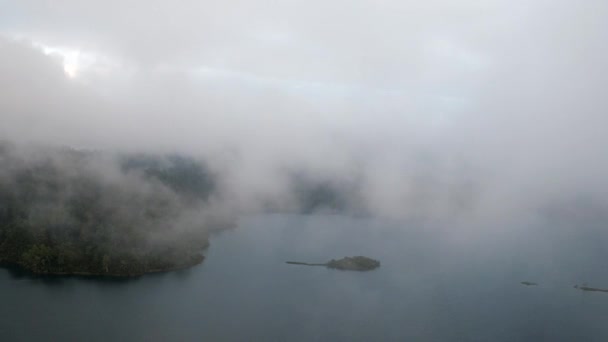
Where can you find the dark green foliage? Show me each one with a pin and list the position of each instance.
(356, 263)
(181, 174)
(317, 194)
(313, 197)
(61, 214)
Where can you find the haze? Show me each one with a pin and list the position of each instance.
(437, 108)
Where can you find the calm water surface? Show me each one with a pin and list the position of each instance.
(435, 284)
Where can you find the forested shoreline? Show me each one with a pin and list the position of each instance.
(67, 211)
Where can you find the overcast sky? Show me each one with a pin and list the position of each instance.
(512, 89)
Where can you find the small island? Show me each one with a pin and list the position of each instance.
(356, 263)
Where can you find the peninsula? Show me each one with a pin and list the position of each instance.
(72, 212)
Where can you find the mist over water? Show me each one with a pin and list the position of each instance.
(461, 143)
(433, 108)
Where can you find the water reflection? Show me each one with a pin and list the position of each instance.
(430, 287)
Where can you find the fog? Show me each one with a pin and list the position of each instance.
(435, 109)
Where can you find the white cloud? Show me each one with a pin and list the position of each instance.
(514, 88)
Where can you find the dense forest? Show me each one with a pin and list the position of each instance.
(65, 211)
(71, 211)
(312, 194)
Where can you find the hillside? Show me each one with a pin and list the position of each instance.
(64, 211)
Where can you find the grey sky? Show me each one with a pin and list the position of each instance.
(512, 91)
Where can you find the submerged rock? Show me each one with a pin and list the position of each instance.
(584, 287)
(356, 263)
(529, 283)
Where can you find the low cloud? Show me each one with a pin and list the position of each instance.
(433, 109)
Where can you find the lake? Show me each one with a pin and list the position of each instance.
(436, 283)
